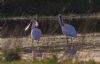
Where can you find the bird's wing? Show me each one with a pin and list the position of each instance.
(69, 30)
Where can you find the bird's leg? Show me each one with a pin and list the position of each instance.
(66, 43)
(67, 40)
(71, 40)
(38, 41)
(38, 48)
(32, 49)
(38, 44)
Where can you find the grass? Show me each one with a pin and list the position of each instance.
(48, 61)
(53, 60)
(80, 62)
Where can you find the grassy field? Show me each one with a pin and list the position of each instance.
(53, 41)
(49, 61)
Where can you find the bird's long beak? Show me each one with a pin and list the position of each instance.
(27, 26)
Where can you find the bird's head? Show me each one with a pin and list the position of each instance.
(34, 23)
(60, 16)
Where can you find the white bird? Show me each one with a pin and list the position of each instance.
(35, 32)
(67, 30)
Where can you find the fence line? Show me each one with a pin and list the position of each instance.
(52, 17)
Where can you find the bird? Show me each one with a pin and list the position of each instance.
(67, 29)
(35, 32)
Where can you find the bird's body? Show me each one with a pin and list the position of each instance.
(36, 33)
(68, 30)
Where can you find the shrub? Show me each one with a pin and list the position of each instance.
(11, 54)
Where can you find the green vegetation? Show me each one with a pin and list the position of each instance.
(48, 61)
(81, 62)
(12, 57)
(11, 54)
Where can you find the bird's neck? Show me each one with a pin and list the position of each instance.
(32, 25)
(61, 21)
